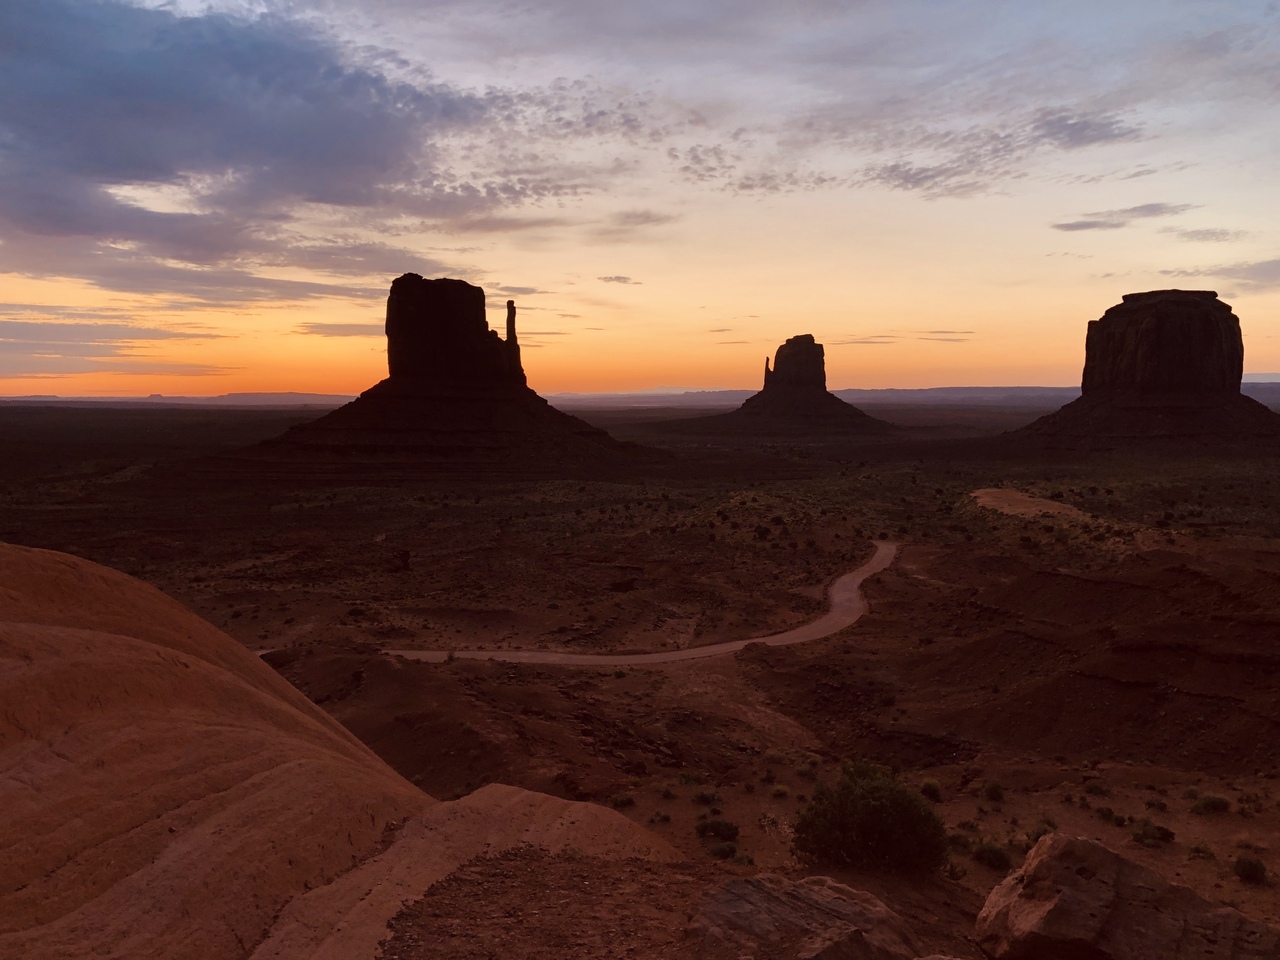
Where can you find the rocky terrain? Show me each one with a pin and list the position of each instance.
(1070, 659)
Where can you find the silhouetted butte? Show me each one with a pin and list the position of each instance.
(1165, 364)
(455, 398)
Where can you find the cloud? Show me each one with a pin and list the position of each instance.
(319, 329)
(35, 348)
(519, 291)
(1118, 219)
(1070, 130)
(731, 342)
(623, 280)
(1255, 275)
(721, 330)
(875, 340)
(1206, 234)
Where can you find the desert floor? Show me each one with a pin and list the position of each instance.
(1064, 641)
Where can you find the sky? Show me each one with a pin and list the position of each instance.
(204, 198)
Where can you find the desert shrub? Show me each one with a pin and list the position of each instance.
(1156, 805)
(992, 792)
(692, 779)
(720, 829)
(930, 790)
(1150, 834)
(660, 817)
(779, 791)
(992, 855)
(708, 798)
(1209, 805)
(1251, 870)
(1097, 789)
(1043, 828)
(1200, 852)
(867, 818)
(725, 850)
(623, 801)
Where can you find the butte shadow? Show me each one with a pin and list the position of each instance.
(1163, 368)
(794, 402)
(455, 403)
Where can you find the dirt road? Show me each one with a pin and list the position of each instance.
(847, 605)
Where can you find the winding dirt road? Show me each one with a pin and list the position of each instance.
(847, 605)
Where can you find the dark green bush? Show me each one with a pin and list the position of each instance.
(867, 818)
(1251, 870)
(1208, 805)
(992, 855)
(1150, 834)
(931, 790)
(706, 797)
(623, 801)
(723, 851)
(992, 792)
(720, 829)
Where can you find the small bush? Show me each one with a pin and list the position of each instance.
(1205, 806)
(707, 798)
(660, 817)
(1097, 789)
(720, 829)
(726, 850)
(1200, 852)
(867, 818)
(622, 802)
(931, 790)
(992, 855)
(1251, 870)
(779, 791)
(992, 792)
(692, 779)
(1148, 834)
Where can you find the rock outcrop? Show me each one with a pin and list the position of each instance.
(167, 796)
(455, 402)
(794, 401)
(1075, 898)
(806, 920)
(1165, 364)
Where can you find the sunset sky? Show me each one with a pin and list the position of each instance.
(203, 198)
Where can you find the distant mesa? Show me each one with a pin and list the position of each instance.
(455, 400)
(1165, 364)
(794, 399)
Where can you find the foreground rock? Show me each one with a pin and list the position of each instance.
(455, 402)
(806, 920)
(1165, 364)
(167, 796)
(1074, 898)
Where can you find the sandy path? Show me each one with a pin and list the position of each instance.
(1018, 504)
(847, 605)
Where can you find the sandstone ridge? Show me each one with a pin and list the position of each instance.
(167, 796)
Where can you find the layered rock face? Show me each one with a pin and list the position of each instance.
(455, 401)
(795, 393)
(1164, 341)
(436, 331)
(1165, 364)
(1075, 898)
(800, 362)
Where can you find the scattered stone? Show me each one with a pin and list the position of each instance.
(805, 920)
(1074, 898)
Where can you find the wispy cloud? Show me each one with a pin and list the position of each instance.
(316, 328)
(1118, 219)
(618, 279)
(33, 348)
(1206, 235)
(1255, 275)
